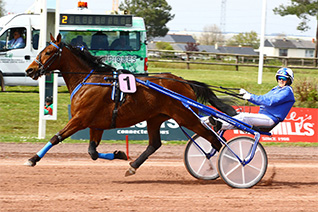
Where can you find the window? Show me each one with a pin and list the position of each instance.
(309, 53)
(35, 38)
(13, 38)
(103, 40)
(283, 52)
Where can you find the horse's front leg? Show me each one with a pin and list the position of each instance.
(72, 127)
(37, 157)
(95, 138)
(153, 127)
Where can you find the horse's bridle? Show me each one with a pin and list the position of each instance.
(43, 67)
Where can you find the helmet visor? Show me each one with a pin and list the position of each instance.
(282, 78)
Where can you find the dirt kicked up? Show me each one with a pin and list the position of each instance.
(66, 179)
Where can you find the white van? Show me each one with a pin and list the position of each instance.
(14, 60)
(75, 23)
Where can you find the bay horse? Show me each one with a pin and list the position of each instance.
(92, 106)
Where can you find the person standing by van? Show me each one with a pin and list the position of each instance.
(48, 107)
(17, 41)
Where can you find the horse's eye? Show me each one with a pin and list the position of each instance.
(47, 53)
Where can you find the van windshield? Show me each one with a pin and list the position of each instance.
(103, 40)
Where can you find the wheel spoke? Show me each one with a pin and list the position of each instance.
(201, 155)
(241, 150)
(231, 157)
(243, 175)
(232, 170)
(249, 165)
(201, 166)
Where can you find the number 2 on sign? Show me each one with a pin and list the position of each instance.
(127, 83)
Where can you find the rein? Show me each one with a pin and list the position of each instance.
(228, 91)
(43, 68)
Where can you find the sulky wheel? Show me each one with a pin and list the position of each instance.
(201, 164)
(233, 172)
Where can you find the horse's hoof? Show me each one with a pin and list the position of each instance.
(120, 155)
(92, 150)
(29, 163)
(130, 171)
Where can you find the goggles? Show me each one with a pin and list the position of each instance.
(282, 78)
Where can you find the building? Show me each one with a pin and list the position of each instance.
(290, 48)
(179, 42)
(175, 38)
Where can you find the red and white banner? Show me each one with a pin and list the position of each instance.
(300, 125)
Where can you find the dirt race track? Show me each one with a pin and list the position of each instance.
(66, 179)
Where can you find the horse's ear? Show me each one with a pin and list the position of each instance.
(52, 38)
(58, 39)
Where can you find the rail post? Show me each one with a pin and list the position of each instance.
(188, 59)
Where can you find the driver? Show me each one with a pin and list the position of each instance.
(17, 41)
(274, 106)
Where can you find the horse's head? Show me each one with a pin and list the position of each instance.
(44, 62)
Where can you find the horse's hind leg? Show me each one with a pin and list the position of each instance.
(95, 138)
(153, 127)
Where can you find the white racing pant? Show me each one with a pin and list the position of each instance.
(254, 119)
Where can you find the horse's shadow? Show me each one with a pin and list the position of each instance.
(282, 184)
(172, 182)
(261, 185)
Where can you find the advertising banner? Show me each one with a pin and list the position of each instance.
(169, 131)
(300, 125)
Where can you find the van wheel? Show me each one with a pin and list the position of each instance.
(2, 82)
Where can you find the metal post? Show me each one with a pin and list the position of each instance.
(262, 41)
(42, 44)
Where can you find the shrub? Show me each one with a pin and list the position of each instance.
(164, 46)
(306, 92)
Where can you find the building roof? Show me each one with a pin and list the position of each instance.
(289, 44)
(173, 38)
(208, 48)
(237, 50)
(211, 48)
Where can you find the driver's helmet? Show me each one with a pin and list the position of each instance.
(285, 72)
(49, 99)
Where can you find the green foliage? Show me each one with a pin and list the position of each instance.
(245, 39)
(2, 10)
(156, 14)
(306, 92)
(302, 9)
(164, 46)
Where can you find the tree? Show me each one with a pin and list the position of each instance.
(164, 46)
(302, 9)
(2, 10)
(211, 35)
(193, 47)
(156, 14)
(245, 39)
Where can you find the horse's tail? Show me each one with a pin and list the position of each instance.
(205, 94)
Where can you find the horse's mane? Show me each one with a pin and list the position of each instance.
(94, 62)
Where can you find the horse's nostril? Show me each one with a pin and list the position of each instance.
(28, 71)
